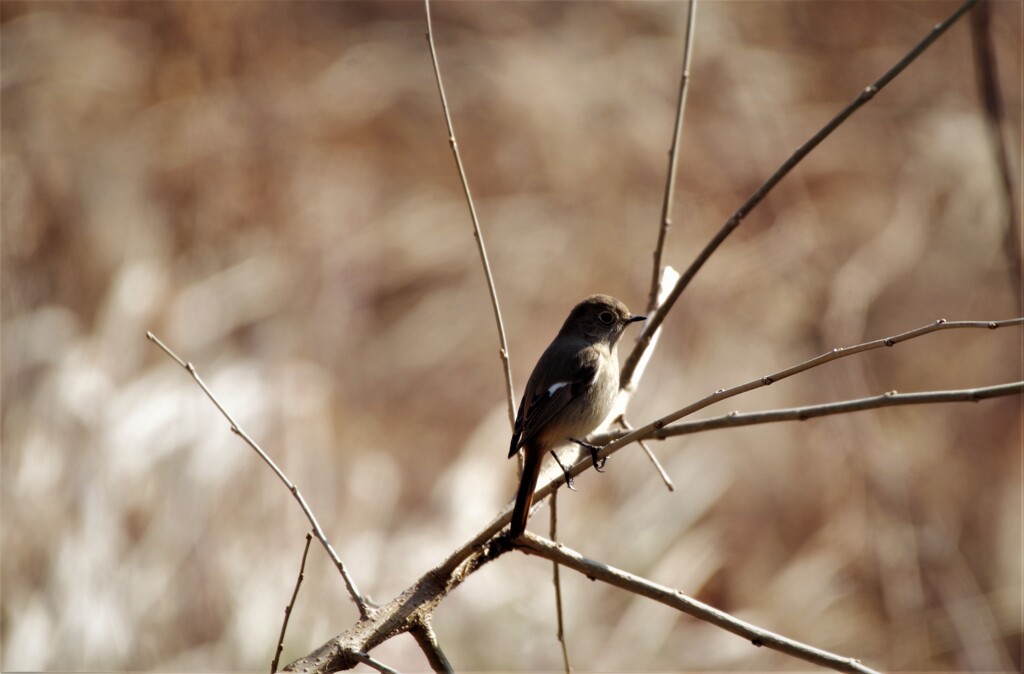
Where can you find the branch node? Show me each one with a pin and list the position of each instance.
(767, 381)
(940, 321)
(889, 341)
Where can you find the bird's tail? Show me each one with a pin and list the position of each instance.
(524, 497)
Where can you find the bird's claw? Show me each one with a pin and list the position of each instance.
(565, 472)
(594, 449)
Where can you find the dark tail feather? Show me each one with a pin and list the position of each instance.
(524, 497)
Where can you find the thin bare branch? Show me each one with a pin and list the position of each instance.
(995, 113)
(290, 606)
(889, 399)
(557, 580)
(721, 394)
(477, 233)
(353, 591)
(626, 426)
(424, 634)
(657, 317)
(673, 159)
(535, 545)
(371, 662)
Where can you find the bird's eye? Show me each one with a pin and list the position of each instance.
(606, 317)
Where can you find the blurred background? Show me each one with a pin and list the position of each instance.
(268, 187)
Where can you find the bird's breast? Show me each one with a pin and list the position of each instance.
(597, 398)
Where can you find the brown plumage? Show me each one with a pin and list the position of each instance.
(571, 391)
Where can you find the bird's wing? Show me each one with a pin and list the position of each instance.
(540, 404)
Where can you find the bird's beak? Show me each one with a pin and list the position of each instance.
(634, 319)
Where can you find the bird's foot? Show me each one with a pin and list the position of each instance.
(594, 449)
(565, 472)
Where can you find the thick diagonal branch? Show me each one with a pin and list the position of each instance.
(408, 612)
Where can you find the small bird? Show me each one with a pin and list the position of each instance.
(571, 391)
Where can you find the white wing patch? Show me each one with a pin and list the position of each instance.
(554, 387)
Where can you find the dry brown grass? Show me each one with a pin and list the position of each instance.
(268, 187)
